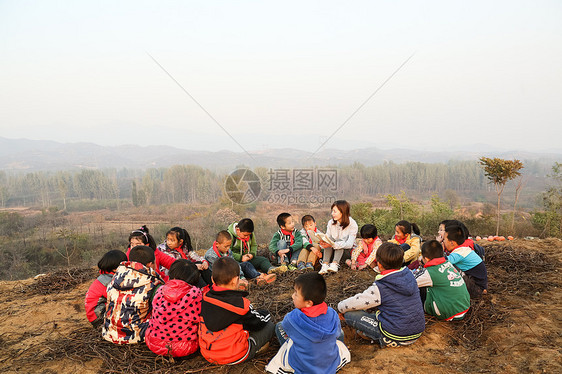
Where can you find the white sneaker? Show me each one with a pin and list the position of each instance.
(334, 267)
(324, 269)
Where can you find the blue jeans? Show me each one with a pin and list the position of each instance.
(365, 322)
(290, 256)
(249, 270)
(283, 337)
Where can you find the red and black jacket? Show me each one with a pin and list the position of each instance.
(226, 319)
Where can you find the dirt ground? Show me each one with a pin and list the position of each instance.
(516, 328)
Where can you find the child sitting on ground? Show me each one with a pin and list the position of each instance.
(464, 258)
(407, 236)
(221, 248)
(143, 237)
(129, 296)
(467, 242)
(400, 319)
(176, 307)
(245, 248)
(178, 246)
(96, 297)
(286, 243)
(446, 295)
(231, 331)
(364, 254)
(311, 337)
(309, 253)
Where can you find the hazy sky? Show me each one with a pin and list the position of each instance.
(283, 74)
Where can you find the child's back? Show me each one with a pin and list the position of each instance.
(128, 300)
(401, 310)
(176, 308)
(400, 318)
(314, 337)
(230, 331)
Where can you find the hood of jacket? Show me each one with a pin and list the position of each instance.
(399, 281)
(131, 275)
(175, 289)
(316, 329)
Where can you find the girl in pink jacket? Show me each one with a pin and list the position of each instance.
(175, 313)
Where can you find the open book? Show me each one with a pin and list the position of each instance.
(318, 236)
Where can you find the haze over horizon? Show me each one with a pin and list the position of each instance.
(483, 74)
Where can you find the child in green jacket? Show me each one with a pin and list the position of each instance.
(244, 246)
(447, 297)
(286, 243)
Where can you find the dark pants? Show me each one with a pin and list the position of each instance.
(249, 270)
(261, 263)
(476, 280)
(259, 338)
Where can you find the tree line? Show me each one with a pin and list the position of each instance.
(193, 184)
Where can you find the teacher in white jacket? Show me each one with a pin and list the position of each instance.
(342, 230)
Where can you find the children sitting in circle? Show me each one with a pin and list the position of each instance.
(182, 315)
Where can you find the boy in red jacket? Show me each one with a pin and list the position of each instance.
(231, 331)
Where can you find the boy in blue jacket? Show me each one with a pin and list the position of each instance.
(311, 337)
(399, 319)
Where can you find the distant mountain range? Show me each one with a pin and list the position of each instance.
(34, 155)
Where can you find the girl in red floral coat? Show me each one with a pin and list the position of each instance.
(175, 313)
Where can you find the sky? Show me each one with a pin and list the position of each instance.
(255, 75)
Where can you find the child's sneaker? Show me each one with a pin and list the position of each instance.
(309, 266)
(291, 267)
(265, 279)
(244, 285)
(300, 266)
(334, 267)
(279, 269)
(324, 269)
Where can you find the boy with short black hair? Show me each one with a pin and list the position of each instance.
(310, 335)
(309, 253)
(231, 331)
(446, 297)
(400, 319)
(286, 243)
(221, 248)
(129, 296)
(466, 260)
(244, 246)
